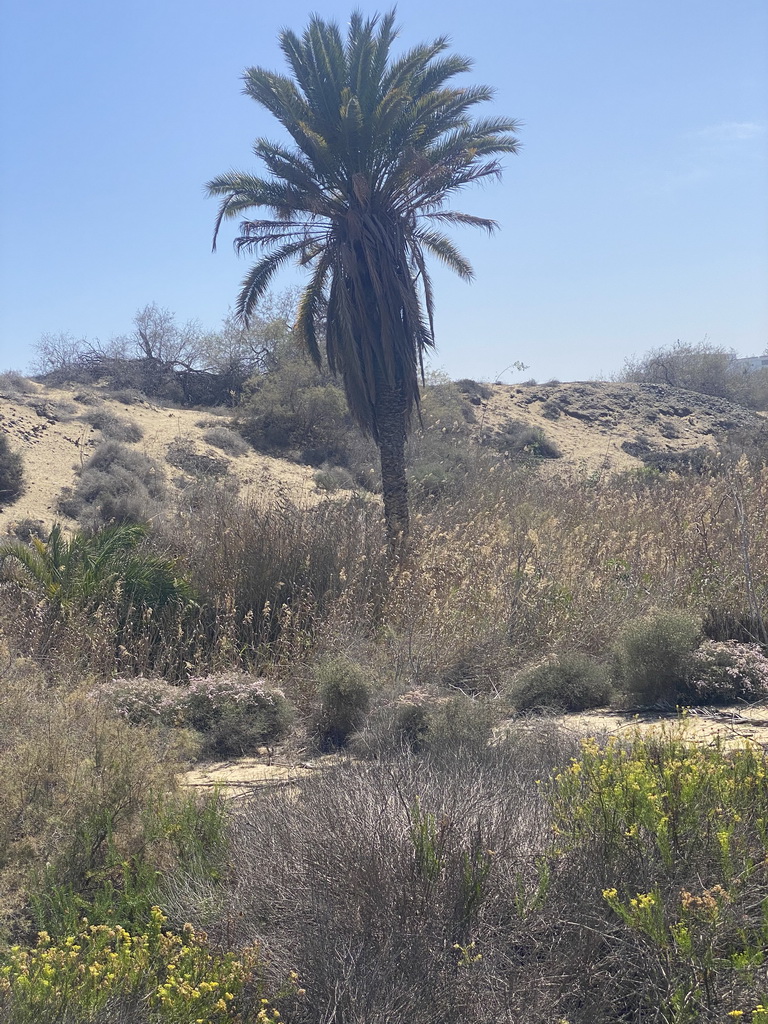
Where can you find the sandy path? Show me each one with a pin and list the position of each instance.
(732, 726)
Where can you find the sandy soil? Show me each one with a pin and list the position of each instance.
(46, 426)
(241, 776)
(593, 422)
(731, 726)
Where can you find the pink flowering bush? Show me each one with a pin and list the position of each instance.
(141, 701)
(727, 670)
(236, 713)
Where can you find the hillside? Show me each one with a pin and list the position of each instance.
(48, 426)
(597, 427)
(604, 426)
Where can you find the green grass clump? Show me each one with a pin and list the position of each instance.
(567, 682)
(345, 693)
(653, 655)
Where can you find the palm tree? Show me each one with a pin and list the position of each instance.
(379, 146)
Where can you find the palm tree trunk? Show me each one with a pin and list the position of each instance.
(391, 424)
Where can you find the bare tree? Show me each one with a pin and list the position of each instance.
(157, 336)
(56, 352)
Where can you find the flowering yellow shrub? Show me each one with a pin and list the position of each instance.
(691, 823)
(177, 976)
(679, 802)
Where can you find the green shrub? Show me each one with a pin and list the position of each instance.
(105, 972)
(653, 655)
(440, 456)
(439, 466)
(704, 368)
(113, 427)
(87, 570)
(297, 410)
(11, 472)
(569, 682)
(411, 726)
(86, 398)
(75, 783)
(235, 713)
(664, 807)
(345, 697)
(421, 724)
(458, 724)
(393, 729)
(696, 460)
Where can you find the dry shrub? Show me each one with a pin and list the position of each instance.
(113, 427)
(117, 484)
(384, 885)
(15, 383)
(529, 561)
(11, 473)
(229, 441)
(270, 578)
(523, 442)
(334, 478)
(183, 455)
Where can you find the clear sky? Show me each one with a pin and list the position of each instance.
(636, 213)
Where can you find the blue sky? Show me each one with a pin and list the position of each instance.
(636, 213)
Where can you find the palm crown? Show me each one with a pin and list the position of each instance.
(379, 146)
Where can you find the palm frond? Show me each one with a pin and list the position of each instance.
(258, 278)
(465, 219)
(442, 247)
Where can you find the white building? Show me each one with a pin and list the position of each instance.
(750, 364)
